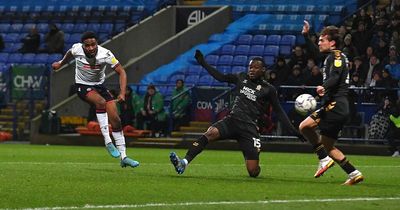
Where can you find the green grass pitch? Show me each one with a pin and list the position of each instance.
(72, 177)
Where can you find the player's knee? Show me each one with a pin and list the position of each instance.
(100, 104)
(212, 133)
(254, 172)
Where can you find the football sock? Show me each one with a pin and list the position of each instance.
(346, 165)
(320, 151)
(120, 142)
(102, 118)
(196, 148)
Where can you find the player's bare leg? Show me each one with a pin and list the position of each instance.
(354, 176)
(307, 128)
(102, 117)
(118, 134)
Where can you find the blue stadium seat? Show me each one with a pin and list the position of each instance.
(239, 60)
(79, 28)
(43, 27)
(238, 69)
(257, 50)
(212, 59)
(224, 69)
(194, 70)
(93, 27)
(271, 50)
(103, 37)
(106, 28)
(273, 39)
(269, 60)
(4, 27)
(41, 58)
(15, 28)
(289, 40)
(4, 57)
(285, 50)
(27, 27)
(242, 50)
(191, 80)
(228, 49)
(12, 47)
(172, 79)
(15, 58)
(28, 58)
(244, 39)
(225, 60)
(67, 27)
(74, 38)
(11, 37)
(205, 80)
(259, 39)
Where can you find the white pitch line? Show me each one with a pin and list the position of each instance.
(88, 206)
(195, 164)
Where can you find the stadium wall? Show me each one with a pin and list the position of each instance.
(149, 47)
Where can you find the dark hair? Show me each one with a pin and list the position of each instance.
(151, 87)
(333, 34)
(259, 59)
(88, 35)
(181, 80)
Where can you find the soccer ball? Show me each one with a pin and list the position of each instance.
(305, 103)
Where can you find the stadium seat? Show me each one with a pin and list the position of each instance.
(289, 40)
(273, 39)
(15, 28)
(228, 49)
(225, 60)
(224, 69)
(15, 58)
(191, 80)
(271, 50)
(11, 37)
(257, 50)
(212, 59)
(42, 27)
(242, 50)
(28, 58)
(285, 50)
(53, 57)
(4, 27)
(244, 39)
(172, 79)
(238, 69)
(106, 28)
(194, 70)
(67, 27)
(27, 27)
(239, 60)
(41, 58)
(93, 27)
(74, 38)
(205, 80)
(4, 57)
(259, 39)
(79, 28)
(269, 60)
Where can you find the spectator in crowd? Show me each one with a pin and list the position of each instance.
(392, 54)
(348, 48)
(393, 134)
(54, 40)
(388, 83)
(298, 58)
(315, 78)
(31, 42)
(382, 49)
(295, 79)
(282, 70)
(394, 68)
(374, 66)
(342, 32)
(152, 113)
(1, 43)
(129, 108)
(180, 105)
(307, 70)
(395, 40)
(354, 83)
(379, 123)
(369, 52)
(358, 68)
(363, 17)
(361, 38)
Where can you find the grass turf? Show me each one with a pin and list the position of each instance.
(36, 176)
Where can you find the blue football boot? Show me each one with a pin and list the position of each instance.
(177, 163)
(113, 150)
(129, 162)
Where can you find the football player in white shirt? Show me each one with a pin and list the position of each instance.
(91, 61)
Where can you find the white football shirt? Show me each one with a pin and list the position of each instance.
(91, 71)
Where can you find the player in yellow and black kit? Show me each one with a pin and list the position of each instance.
(254, 95)
(334, 111)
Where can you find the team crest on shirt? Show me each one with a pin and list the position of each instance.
(114, 61)
(245, 81)
(88, 89)
(258, 87)
(337, 63)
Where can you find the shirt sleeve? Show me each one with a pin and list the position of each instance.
(336, 66)
(111, 59)
(76, 48)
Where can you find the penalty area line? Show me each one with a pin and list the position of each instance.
(214, 203)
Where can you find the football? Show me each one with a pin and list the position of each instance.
(305, 103)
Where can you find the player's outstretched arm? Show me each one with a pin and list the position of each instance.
(58, 64)
(212, 71)
(282, 116)
(312, 48)
(122, 82)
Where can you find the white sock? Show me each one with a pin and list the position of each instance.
(120, 143)
(102, 118)
(185, 161)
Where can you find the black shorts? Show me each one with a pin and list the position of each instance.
(84, 90)
(245, 133)
(332, 117)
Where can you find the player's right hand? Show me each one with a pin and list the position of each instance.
(56, 65)
(306, 27)
(199, 57)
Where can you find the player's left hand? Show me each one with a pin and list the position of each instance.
(199, 57)
(121, 98)
(320, 90)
